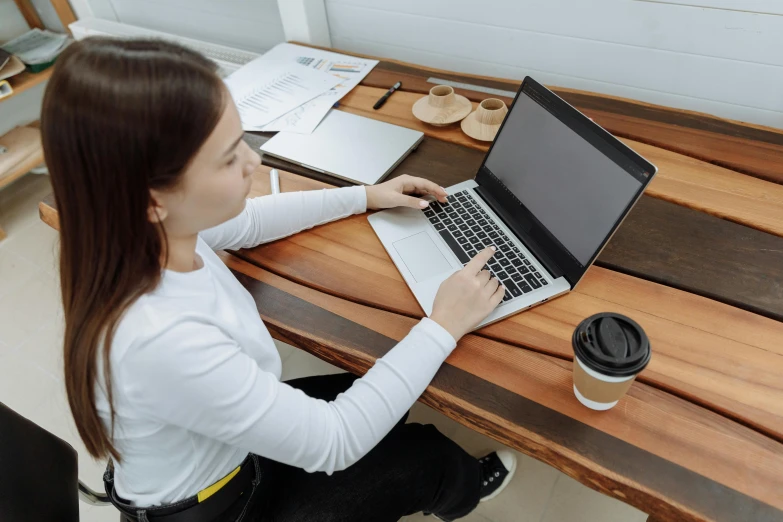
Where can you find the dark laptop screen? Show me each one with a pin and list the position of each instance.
(572, 188)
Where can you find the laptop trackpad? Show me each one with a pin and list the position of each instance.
(422, 256)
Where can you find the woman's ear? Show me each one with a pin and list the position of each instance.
(156, 212)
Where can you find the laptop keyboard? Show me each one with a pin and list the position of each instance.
(468, 229)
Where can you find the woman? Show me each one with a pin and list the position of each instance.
(169, 370)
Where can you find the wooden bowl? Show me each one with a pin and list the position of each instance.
(441, 106)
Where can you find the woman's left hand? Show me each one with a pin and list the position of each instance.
(392, 193)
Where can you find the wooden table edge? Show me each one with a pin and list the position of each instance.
(478, 418)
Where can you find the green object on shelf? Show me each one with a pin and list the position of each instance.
(38, 67)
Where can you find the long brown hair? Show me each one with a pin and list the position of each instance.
(120, 117)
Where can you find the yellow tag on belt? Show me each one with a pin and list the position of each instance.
(208, 492)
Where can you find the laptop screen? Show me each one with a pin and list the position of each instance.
(571, 187)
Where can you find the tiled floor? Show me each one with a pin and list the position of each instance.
(31, 379)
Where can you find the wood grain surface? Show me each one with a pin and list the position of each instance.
(742, 147)
(659, 241)
(693, 251)
(680, 179)
(723, 358)
(654, 451)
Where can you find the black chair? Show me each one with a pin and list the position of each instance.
(38, 473)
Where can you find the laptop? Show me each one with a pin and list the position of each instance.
(551, 191)
(348, 147)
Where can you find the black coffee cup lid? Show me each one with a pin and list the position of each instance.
(612, 344)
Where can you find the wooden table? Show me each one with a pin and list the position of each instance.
(698, 263)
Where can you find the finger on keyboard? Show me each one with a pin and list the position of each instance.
(475, 265)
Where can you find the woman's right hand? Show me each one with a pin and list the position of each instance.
(467, 297)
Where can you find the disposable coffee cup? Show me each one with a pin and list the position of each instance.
(610, 350)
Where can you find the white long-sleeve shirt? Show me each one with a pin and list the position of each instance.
(196, 375)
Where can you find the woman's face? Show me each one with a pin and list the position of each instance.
(215, 185)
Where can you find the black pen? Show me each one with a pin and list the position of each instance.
(385, 97)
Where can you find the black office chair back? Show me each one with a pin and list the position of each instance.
(38, 472)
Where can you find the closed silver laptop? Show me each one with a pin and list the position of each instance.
(553, 188)
(349, 147)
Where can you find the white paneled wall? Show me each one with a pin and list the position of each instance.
(21, 110)
(725, 60)
(246, 24)
(12, 23)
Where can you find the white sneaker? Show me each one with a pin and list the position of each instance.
(497, 470)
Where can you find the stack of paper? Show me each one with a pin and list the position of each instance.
(265, 89)
(37, 46)
(344, 73)
(349, 69)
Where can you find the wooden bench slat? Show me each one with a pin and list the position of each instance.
(699, 253)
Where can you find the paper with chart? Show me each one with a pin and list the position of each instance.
(349, 69)
(266, 89)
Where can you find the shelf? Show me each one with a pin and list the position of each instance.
(25, 80)
(23, 168)
(31, 161)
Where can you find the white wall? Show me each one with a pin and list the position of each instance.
(723, 57)
(254, 25)
(12, 23)
(246, 24)
(726, 59)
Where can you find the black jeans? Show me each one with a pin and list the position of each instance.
(414, 468)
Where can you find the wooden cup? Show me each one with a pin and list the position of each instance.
(441, 106)
(483, 124)
(491, 112)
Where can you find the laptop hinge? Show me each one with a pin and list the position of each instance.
(534, 248)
